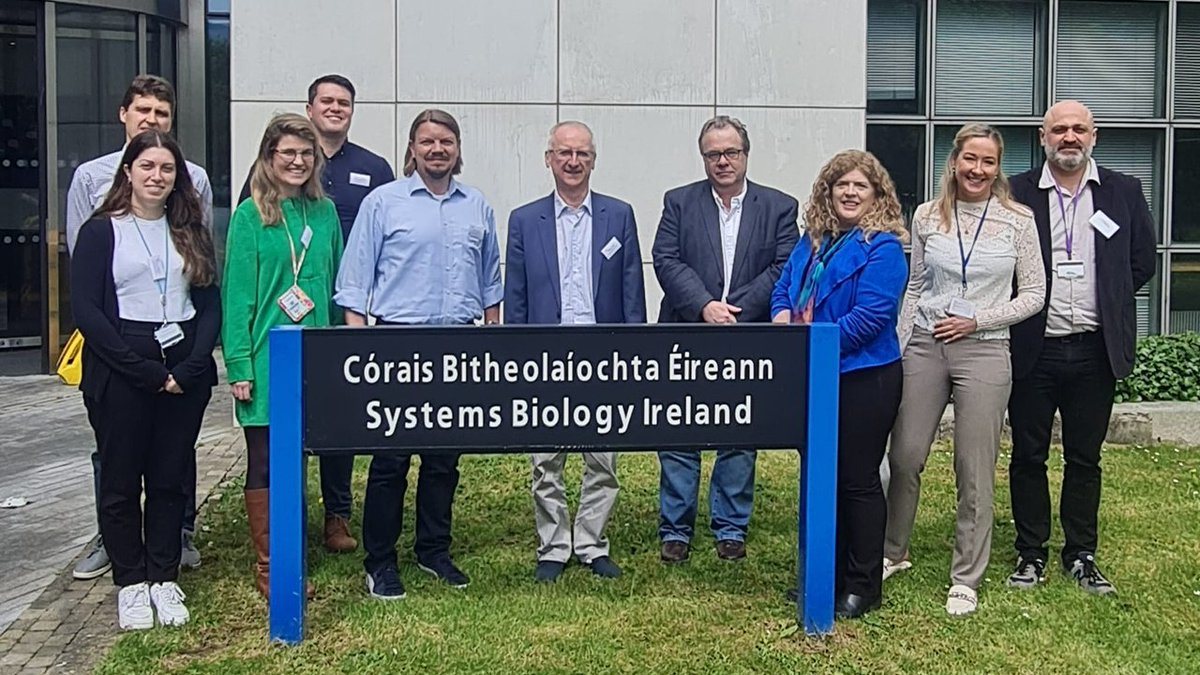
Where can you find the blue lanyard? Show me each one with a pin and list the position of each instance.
(963, 254)
(817, 265)
(161, 283)
(1069, 225)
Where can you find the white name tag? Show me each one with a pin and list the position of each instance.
(610, 249)
(360, 179)
(158, 268)
(1103, 224)
(961, 308)
(168, 335)
(1070, 269)
(306, 236)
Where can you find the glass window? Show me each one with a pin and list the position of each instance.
(895, 56)
(1021, 149)
(1185, 292)
(1139, 153)
(990, 58)
(217, 55)
(160, 49)
(1112, 56)
(901, 150)
(1187, 60)
(1185, 204)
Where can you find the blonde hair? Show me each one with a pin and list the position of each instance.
(265, 189)
(944, 205)
(884, 214)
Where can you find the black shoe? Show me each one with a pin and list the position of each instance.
(793, 596)
(384, 583)
(1029, 573)
(604, 567)
(674, 552)
(443, 568)
(1085, 572)
(731, 549)
(548, 571)
(851, 606)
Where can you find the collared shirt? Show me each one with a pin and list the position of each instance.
(731, 224)
(573, 227)
(92, 179)
(414, 257)
(1073, 304)
(349, 176)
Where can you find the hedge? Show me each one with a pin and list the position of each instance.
(1165, 370)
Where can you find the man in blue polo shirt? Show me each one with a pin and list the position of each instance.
(351, 173)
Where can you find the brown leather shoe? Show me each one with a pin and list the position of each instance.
(337, 535)
(258, 503)
(729, 549)
(674, 552)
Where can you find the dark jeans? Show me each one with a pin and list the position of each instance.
(1072, 376)
(868, 401)
(383, 507)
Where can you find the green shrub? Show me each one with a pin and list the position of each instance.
(1166, 370)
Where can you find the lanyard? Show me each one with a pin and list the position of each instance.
(1069, 225)
(964, 254)
(816, 267)
(161, 283)
(297, 263)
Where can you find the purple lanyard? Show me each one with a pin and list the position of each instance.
(1069, 226)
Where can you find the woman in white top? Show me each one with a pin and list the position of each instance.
(969, 245)
(145, 299)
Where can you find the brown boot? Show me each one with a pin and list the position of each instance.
(337, 535)
(258, 510)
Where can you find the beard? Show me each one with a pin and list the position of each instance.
(1068, 162)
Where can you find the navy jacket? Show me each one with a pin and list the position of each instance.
(532, 291)
(860, 291)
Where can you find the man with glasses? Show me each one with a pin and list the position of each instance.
(573, 259)
(719, 249)
(149, 103)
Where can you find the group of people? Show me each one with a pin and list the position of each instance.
(1018, 298)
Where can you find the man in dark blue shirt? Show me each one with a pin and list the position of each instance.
(351, 172)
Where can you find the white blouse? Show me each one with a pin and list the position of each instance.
(137, 245)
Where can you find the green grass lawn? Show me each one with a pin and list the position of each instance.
(708, 615)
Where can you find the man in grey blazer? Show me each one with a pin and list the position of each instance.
(718, 252)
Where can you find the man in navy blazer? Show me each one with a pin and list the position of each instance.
(718, 252)
(573, 258)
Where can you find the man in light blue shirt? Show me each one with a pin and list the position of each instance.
(423, 250)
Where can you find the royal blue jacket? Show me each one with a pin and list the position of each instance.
(860, 291)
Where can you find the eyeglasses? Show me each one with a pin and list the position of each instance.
(567, 155)
(291, 155)
(714, 156)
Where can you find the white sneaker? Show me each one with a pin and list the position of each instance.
(961, 600)
(168, 602)
(890, 566)
(133, 607)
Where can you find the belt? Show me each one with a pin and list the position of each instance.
(1076, 338)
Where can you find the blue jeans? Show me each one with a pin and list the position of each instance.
(730, 494)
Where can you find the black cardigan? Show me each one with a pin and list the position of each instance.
(105, 352)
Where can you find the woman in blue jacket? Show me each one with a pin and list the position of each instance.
(849, 268)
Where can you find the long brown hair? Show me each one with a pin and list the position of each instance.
(437, 117)
(883, 216)
(949, 186)
(185, 216)
(265, 188)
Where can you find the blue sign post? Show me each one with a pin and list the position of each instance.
(682, 386)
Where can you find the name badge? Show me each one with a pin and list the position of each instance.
(961, 308)
(168, 335)
(1069, 269)
(158, 268)
(296, 304)
(360, 179)
(306, 236)
(610, 249)
(1104, 225)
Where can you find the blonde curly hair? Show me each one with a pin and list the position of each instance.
(884, 215)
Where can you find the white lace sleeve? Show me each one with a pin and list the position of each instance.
(918, 279)
(1030, 281)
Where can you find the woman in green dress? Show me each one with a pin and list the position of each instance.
(282, 256)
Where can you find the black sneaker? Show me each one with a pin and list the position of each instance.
(1029, 573)
(443, 568)
(1085, 572)
(384, 583)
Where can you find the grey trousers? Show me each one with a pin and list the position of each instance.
(978, 373)
(556, 537)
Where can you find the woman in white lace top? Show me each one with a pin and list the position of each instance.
(972, 247)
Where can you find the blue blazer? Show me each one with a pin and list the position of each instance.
(860, 291)
(532, 291)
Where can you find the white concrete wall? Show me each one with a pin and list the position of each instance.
(644, 74)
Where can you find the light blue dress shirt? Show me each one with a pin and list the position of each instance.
(573, 230)
(414, 257)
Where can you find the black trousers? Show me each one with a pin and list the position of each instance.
(383, 507)
(189, 491)
(336, 471)
(146, 442)
(1073, 376)
(868, 401)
